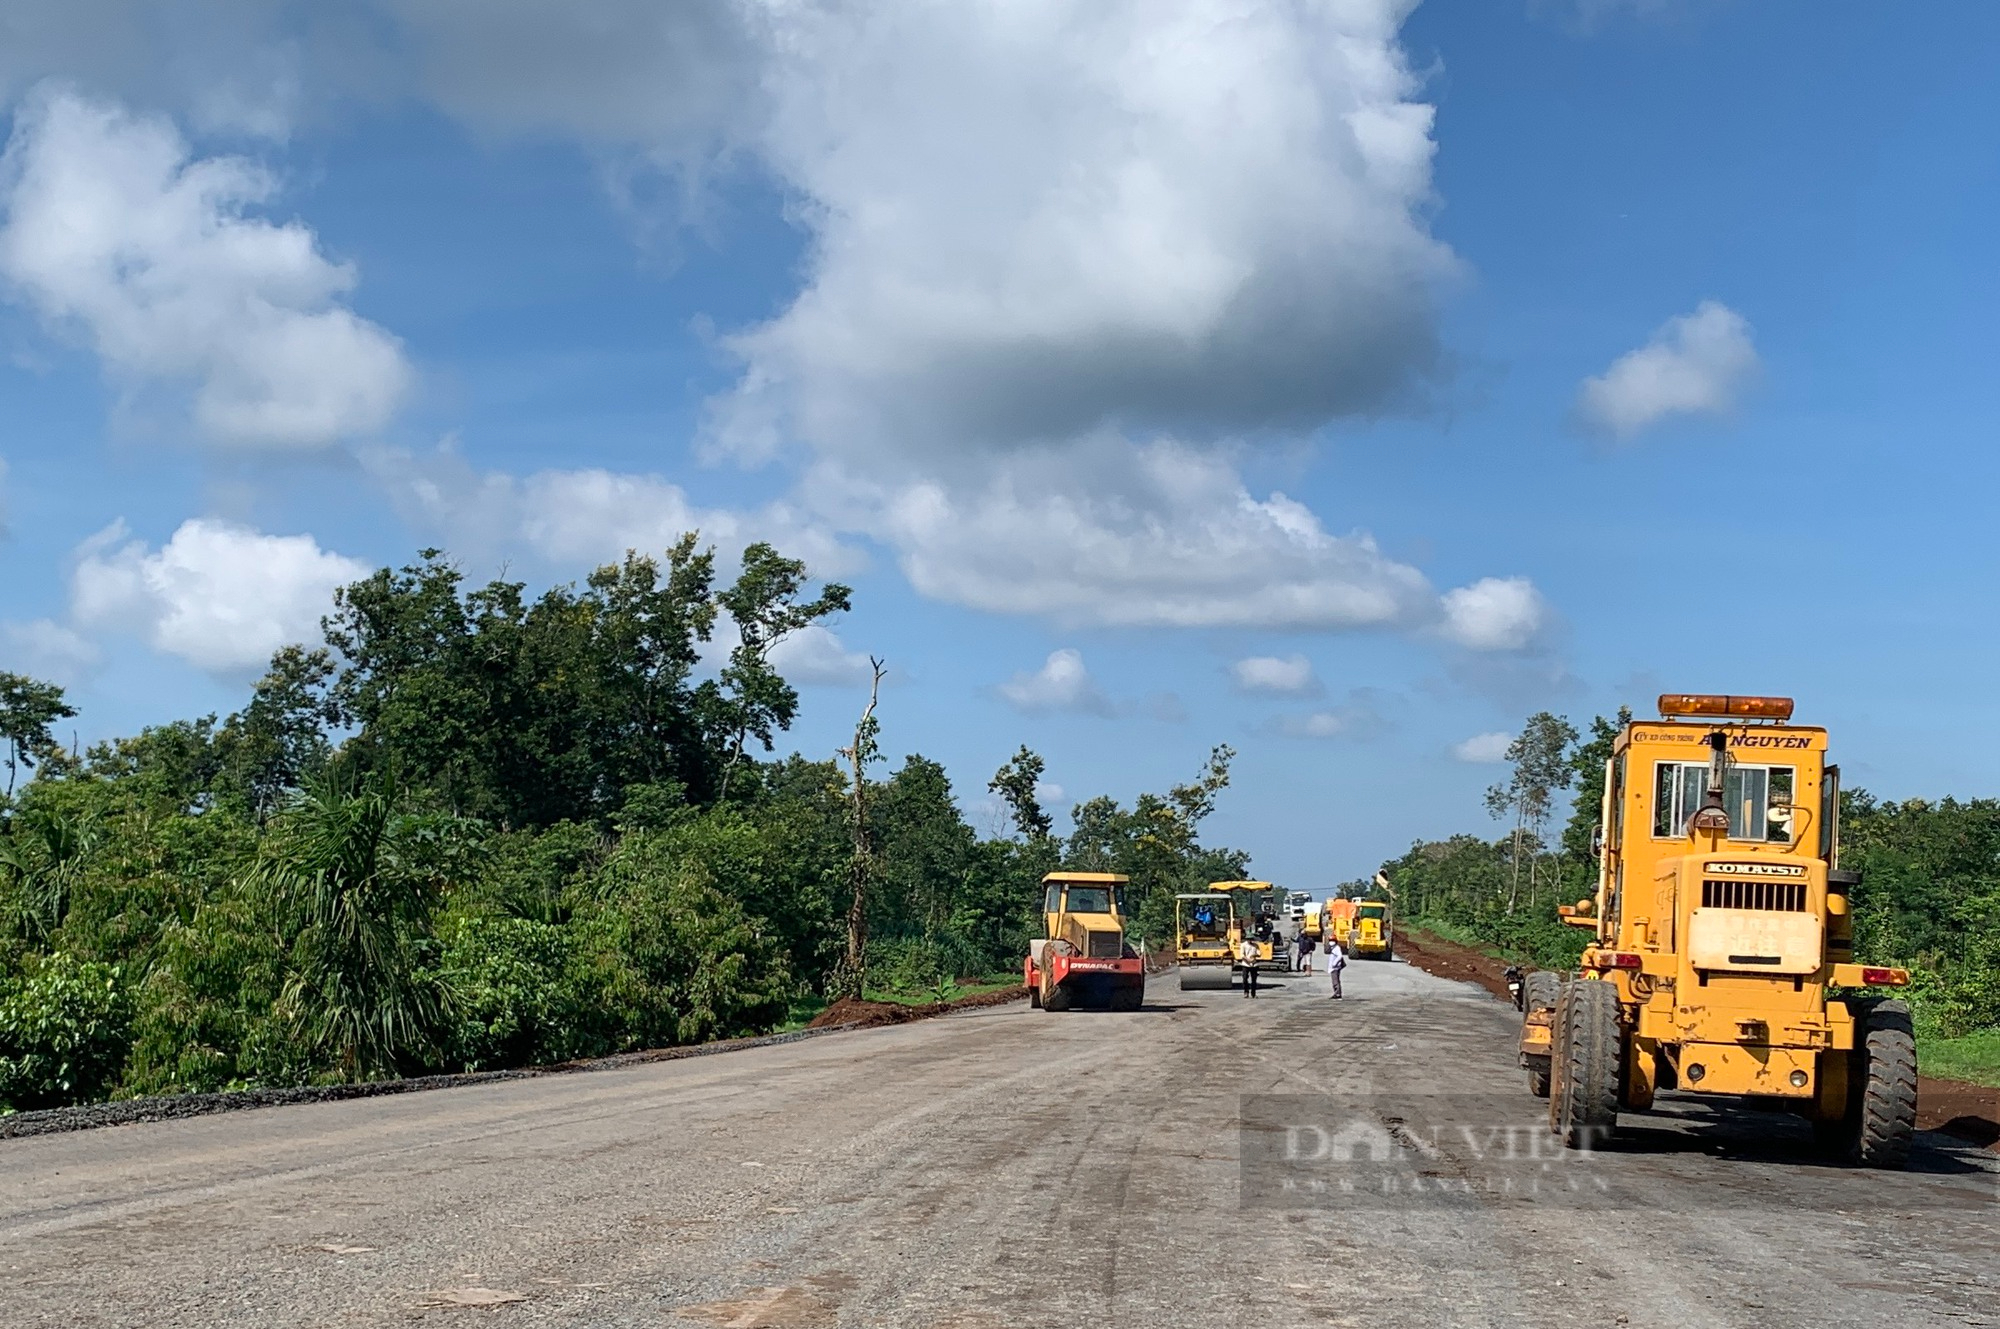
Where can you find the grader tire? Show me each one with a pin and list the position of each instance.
(1539, 992)
(1883, 1110)
(1583, 1107)
(1127, 998)
(1035, 997)
(1057, 998)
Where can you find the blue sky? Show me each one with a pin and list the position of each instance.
(1341, 382)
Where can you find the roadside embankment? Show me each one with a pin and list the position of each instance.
(844, 1014)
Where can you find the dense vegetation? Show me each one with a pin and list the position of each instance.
(1929, 895)
(477, 830)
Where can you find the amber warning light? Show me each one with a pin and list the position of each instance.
(1742, 708)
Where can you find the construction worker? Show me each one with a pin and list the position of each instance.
(1336, 960)
(1246, 955)
(1306, 945)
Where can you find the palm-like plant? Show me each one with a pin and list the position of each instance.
(45, 853)
(352, 910)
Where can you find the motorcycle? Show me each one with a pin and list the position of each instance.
(1515, 982)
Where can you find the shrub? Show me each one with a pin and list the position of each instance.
(64, 1029)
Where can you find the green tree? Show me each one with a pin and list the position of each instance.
(1543, 767)
(1019, 783)
(751, 699)
(352, 889)
(28, 711)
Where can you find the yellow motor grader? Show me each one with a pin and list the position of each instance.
(1722, 956)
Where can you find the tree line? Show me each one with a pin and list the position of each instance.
(1929, 896)
(476, 829)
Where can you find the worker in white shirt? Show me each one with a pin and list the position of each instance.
(1246, 957)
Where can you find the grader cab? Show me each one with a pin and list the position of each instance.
(1084, 959)
(1722, 956)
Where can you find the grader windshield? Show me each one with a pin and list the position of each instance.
(1757, 798)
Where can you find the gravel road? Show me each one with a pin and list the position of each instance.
(993, 1169)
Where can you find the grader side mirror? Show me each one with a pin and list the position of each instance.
(1597, 842)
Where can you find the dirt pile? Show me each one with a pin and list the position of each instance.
(1968, 1111)
(1448, 959)
(854, 1013)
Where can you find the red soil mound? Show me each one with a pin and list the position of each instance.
(853, 1013)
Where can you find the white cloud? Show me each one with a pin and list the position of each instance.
(1280, 676)
(1318, 724)
(1696, 364)
(815, 655)
(1363, 715)
(220, 596)
(1061, 684)
(587, 517)
(1495, 614)
(1155, 536)
(1483, 749)
(114, 231)
(1049, 794)
(1034, 221)
(44, 648)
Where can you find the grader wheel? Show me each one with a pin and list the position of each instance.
(1583, 1102)
(1882, 1090)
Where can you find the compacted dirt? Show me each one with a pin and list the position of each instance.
(1199, 1162)
(1969, 1111)
(854, 1013)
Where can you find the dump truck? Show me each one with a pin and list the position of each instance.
(1205, 938)
(1083, 958)
(1372, 936)
(1337, 921)
(1721, 961)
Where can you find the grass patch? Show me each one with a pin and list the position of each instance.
(1459, 936)
(943, 991)
(1975, 1058)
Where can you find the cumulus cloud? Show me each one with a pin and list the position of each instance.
(116, 232)
(815, 655)
(1156, 536)
(1318, 724)
(1483, 749)
(45, 648)
(1495, 614)
(1033, 221)
(1361, 716)
(1061, 684)
(1696, 364)
(1278, 676)
(589, 516)
(221, 596)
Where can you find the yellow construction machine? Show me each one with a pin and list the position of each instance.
(1722, 956)
(1337, 921)
(1205, 939)
(1083, 958)
(1373, 931)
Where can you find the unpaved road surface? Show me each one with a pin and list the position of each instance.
(998, 1168)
